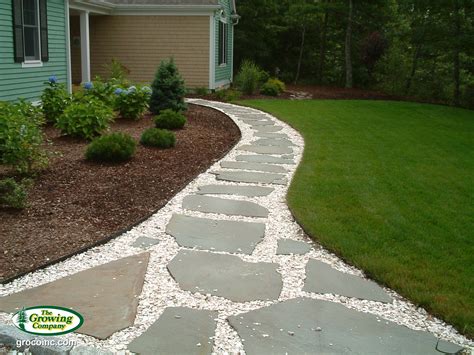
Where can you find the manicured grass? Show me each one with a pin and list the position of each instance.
(389, 186)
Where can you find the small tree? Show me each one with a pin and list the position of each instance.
(168, 89)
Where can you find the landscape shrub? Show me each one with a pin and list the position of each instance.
(228, 95)
(270, 89)
(13, 194)
(118, 73)
(21, 138)
(111, 148)
(159, 138)
(100, 90)
(250, 77)
(132, 102)
(168, 89)
(54, 99)
(86, 117)
(169, 119)
(201, 91)
(278, 83)
(468, 96)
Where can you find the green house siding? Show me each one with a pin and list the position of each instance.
(17, 82)
(224, 73)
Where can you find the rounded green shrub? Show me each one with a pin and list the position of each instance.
(85, 117)
(13, 194)
(269, 89)
(159, 138)
(111, 148)
(169, 119)
(54, 99)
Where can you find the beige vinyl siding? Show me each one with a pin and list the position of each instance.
(142, 42)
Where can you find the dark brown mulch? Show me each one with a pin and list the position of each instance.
(76, 204)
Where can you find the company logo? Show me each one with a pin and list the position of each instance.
(47, 320)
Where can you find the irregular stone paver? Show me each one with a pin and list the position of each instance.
(288, 246)
(292, 327)
(268, 129)
(264, 159)
(179, 330)
(250, 177)
(271, 135)
(253, 166)
(252, 117)
(322, 278)
(273, 142)
(219, 235)
(259, 123)
(144, 242)
(260, 149)
(105, 295)
(210, 204)
(249, 191)
(226, 276)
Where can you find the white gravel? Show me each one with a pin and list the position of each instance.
(161, 291)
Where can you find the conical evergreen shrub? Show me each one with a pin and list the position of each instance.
(168, 89)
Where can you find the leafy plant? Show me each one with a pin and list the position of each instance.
(250, 77)
(85, 117)
(278, 83)
(169, 119)
(270, 89)
(100, 90)
(133, 102)
(111, 148)
(201, 91)
(21, 137)
(168, 89)
(228, 95)
(54, 99)
(118, 73)
(13, 194)
(159, 138)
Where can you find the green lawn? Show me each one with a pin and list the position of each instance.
(389, 186)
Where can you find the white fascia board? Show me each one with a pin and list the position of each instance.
(171, 10)
(90, 6)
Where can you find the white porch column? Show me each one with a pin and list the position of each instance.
(85, 47)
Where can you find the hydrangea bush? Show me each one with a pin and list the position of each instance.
(132, 102)
(54, 99)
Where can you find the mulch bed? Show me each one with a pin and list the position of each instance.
(76, 204)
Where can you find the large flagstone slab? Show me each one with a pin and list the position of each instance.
(106, 295)
(208, 204)
(309, 326)
(253, 166)
(179, 330)
(218, 235)
(271, 135)
(260, 149)
(227, 276)
(322, 278)
(288, 246)
(274, 142)
(251, 177)
(260, 158)
(144, 242)
(249, 191)
(252, 117)
(259, 123)
(268, 129)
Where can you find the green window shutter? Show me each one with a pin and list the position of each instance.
(43, 12)
(19, 51)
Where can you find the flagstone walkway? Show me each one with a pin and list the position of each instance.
(223, 267)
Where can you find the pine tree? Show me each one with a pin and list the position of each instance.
(22, 319)
(168, 89)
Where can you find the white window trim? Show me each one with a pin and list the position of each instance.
(225, 44)
(33, 63)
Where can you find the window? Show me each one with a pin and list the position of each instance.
(222, 43)
(30, 30)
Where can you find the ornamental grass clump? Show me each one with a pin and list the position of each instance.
(158, 138)
(169, 119)
(86, 117)
(250, 77)
(168, 89)
(54, 99)
(111, 148)
(132, 102)
(21, 137)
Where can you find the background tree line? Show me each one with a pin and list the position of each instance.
(418, 48)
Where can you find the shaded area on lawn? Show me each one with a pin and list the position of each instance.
(75, 204)
(389, 187)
